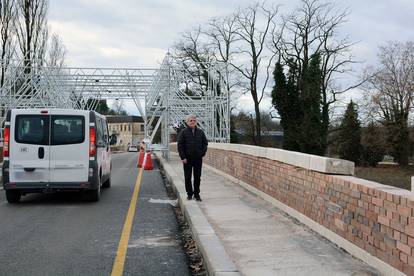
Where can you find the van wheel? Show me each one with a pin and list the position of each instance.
(13, 196)
(95, 195)
(107, 183)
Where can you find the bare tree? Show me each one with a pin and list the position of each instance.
(390, 89)
(193, 51)
(118, 107)
(312, 29)
(203, 45)
(31, 29)
(40, 54)
(205, 52)
(56, 53)
(244, 124)
(7, 17)
(253, 30)
(221, 35)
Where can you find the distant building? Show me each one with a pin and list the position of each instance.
(273, 133)
(270, 138)
(129, 130)
(275, 137)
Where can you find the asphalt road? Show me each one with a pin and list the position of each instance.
(61, 234)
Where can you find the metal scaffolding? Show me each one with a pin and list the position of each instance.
(162, 96)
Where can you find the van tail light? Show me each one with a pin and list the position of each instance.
(6, 142)
(92, 141)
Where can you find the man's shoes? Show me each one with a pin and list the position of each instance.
(198, 198)
(189, 197)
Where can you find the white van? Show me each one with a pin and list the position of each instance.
(55, 150)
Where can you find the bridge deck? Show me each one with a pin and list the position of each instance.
(259, 238)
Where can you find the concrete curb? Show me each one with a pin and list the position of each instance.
(354, 250)
(218, 262)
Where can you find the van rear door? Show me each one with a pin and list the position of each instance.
(69, 148)
(29, 146)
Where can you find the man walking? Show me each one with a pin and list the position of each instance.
(192, 146)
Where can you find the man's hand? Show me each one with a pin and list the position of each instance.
(184, 161)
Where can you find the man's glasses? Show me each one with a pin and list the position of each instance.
(192, 120)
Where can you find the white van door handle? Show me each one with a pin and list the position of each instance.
(41, 152)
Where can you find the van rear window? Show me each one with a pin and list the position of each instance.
(32, 129)
(67, 129)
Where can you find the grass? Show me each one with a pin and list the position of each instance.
(388, 175)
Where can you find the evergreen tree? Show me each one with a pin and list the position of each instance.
(373, 149)
(398, 140)
(279, 101)
(102, 107)
(294, 105)
(350, 135)
(286, 101)
(297, 99)
(311, 125)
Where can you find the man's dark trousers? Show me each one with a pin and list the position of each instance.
(193, 164)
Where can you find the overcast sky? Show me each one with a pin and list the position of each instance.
(138, 33)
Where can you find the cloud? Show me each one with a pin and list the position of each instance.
(88, 26)
(375, 22)
(133, 34)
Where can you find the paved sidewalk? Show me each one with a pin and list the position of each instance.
(240, 233)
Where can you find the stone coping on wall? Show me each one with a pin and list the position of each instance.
(298, 159)
(386, 189)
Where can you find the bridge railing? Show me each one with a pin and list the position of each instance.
(373, 222)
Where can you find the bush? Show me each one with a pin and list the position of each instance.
(373, 149)
(371, 155)
(350, 135)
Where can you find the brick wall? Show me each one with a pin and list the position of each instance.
(375, 217)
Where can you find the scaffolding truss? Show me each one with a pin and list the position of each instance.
(163, 96)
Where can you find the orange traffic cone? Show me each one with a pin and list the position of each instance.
(148, 161)
(141, 158)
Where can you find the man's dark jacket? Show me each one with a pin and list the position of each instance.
(192, 145)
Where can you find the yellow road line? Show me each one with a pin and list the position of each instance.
(118, 267)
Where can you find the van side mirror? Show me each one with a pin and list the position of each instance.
(113, 140)
(101, 144)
